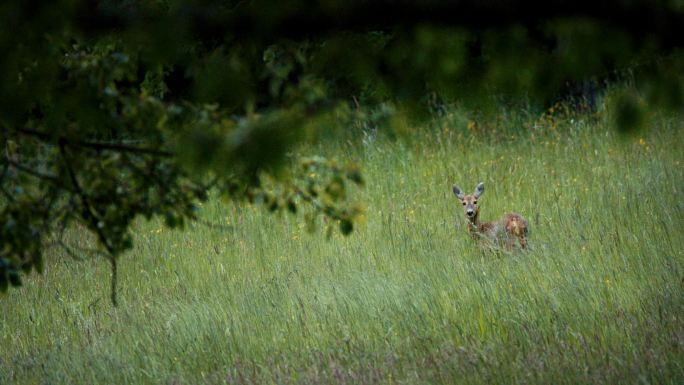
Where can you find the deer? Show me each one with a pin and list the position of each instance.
(512, 226)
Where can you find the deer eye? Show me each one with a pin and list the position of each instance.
(464, 203)
(474, 202)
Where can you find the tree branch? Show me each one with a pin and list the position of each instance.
(71, 250)
(98, 146)
(32, 172)
(90, 216)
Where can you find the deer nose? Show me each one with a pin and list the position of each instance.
(469, 213)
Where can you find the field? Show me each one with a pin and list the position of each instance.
(408, 298)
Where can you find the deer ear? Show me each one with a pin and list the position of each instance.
(479, 190)
(457, 191)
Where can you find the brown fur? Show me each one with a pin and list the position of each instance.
(512, 226)
(517, 227)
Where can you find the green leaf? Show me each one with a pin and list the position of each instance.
(38, 262)
(629, 112)
(355, 176)
(15, 279)
(291, 206)
(171, 221)
(4, 284)
(346, 226)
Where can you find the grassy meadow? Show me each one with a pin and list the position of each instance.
(409, 297)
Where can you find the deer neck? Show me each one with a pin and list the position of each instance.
(474, 223)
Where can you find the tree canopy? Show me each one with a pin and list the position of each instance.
(114, 110)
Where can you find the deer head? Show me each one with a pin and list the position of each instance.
(470, 208)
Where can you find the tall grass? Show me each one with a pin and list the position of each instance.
(409, 297)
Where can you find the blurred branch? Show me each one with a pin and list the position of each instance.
(89, 215)
(72, 250)
(32, 172)
(96, 145)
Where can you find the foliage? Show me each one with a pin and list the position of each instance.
(114, 110)
(109, 148)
